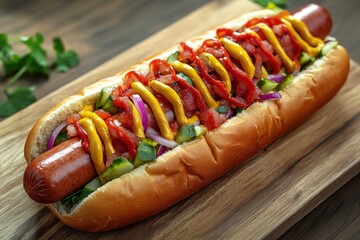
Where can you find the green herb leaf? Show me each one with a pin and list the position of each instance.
(64, 59)
(33, 62)
(34, 67)
(58, 45)
(12, 80)
(265, 3)
(18, 98)
(12, 64)
(5, 48)
(36, 51)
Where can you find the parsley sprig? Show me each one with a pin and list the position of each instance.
(33, 62)
(272, 3)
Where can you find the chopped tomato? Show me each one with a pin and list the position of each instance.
(288, 42)
(161, 67)
(135, 76)
(270, 21)
(240, 78)
(188, 100)
(260, 51)
(126, 115)
(84, 137)
(174, 127)
(211, 119)
(186, 54)
(101, 113)
(119, 146)
(223, 32)
(72, 118)
(127, 137)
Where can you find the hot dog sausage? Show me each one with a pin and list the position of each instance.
(58, 172)
(317, 18)
(67, 167)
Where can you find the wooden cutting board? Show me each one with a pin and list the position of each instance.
(262, 198)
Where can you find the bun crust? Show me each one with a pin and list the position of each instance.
(153, 187)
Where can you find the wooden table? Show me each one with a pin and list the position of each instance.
(325, 201)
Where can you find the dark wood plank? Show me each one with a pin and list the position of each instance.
(338, 216)
(113, 27)
(97, 30)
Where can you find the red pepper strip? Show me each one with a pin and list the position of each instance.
(85, 143)
(130, 139)
(125, 88)
(270, 21)
(207, 117)
(270, 60)
(276, 20)
(126, 116)
(223, 32)
(218, 85)
(101, 113)
(196, 93)
(242, 79)
(160, 67)
(73, 117)
(296, 47)
(283, 13)
(134, 76)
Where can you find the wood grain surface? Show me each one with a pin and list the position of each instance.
(261, 199)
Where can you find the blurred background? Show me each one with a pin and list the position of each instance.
(99, 30)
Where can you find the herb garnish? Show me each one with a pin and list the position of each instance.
(33, 62)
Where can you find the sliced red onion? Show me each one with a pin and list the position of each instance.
(54, 134)
(152, 131)
(229, 113)
(154, 135)
(162, 149)
(270, 96)
(276, 77)
(140, 106)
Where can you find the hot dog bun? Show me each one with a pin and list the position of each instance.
(181, 172)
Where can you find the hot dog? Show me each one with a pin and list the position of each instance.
(58, 182)
(314, 16)
(185, 103)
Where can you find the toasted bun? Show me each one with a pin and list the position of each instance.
(181, 172)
